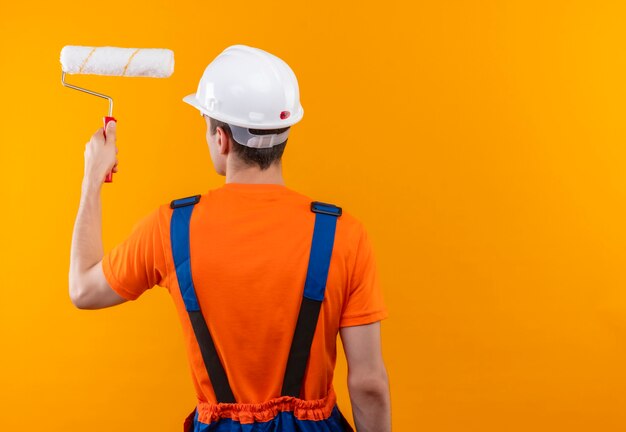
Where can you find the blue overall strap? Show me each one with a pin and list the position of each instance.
(314, 288)
(179, 236)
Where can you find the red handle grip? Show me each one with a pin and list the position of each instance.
(107, 119)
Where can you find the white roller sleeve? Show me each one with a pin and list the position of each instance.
(140, 62)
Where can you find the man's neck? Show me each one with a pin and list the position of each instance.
(272, 175)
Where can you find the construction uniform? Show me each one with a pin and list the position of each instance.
(262, 279)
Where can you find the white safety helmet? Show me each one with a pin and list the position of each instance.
(249, 88)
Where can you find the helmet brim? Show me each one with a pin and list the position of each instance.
(193, 101)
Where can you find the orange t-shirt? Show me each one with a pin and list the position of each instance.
(249, 248)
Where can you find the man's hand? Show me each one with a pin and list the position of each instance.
(100, 155)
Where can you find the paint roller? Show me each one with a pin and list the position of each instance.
(112, 61)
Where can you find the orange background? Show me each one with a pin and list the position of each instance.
(481, 143)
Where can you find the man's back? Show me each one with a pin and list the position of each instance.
(249, 249)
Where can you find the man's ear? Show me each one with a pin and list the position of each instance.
(222, 141)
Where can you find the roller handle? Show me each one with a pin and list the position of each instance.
(107, 119)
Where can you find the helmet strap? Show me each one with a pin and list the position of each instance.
(243, 136)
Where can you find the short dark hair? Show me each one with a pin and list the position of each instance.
(263, 157)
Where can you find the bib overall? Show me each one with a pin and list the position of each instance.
(286, 413)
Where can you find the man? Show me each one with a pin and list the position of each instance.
(263, 278)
